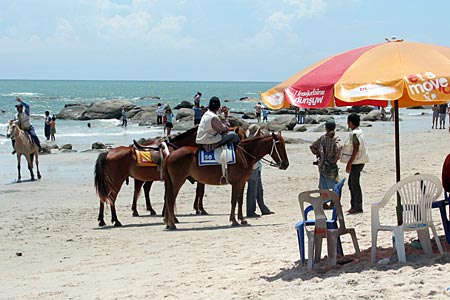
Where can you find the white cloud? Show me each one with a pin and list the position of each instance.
(308, 7)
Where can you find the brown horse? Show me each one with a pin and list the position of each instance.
(183, 163)
(114, 167)
(25, 147)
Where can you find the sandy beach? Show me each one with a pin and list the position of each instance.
(52, 248)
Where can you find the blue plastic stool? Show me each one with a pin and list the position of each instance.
(331, 224)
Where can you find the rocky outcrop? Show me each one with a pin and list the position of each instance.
(282, 123)
(374, 115)
(185, 113)
(108, 109)
(184, 104)
(98, 145)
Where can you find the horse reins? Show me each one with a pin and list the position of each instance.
(264, 160)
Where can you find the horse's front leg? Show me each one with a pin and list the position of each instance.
(198, 203)
(19, 176)
(235, 190)
(240, 197)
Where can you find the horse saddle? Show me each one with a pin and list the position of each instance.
(150, 157)
(223, 156)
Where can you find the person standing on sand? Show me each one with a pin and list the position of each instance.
(327, 149)
(47, 121)
(442, 115)
(255, 191)
(435, 111)
(159, 114)
(355, 156)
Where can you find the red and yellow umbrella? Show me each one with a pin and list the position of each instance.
(410, 73)
(405, 73)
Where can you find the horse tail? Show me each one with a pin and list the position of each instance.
(102, 179)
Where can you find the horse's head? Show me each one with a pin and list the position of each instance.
(10, 128)
(278, 152)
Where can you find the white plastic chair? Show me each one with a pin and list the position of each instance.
(416, 193)
(317, 198)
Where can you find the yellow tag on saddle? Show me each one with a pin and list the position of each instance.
(144, 159)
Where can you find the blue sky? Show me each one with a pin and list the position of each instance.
(212, 40)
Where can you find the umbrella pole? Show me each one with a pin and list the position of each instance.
(397, 161)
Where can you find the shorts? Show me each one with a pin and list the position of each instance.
(169, 125)
(442, 117)
(52, 131)
(258, 115)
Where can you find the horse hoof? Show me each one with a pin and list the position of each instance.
(33, 179)
(101, 223)
(152, 213)
(244, 222)
(117, 224)
(173, 227)
(135, 214)
(204, 213)
(198, 212)
(39, 176)
(19, 181)
(176, 220)
(234, 224)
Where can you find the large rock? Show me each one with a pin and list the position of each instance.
(98, 145)
(360, 109)
(185, 113)
(109, 109)
(72, 111)
(249, 115)
(300, 128)
(374, 115)
(183, 124)
(184, 104)
(282, 123)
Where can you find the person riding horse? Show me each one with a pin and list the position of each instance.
(212, 132)
(23, 120)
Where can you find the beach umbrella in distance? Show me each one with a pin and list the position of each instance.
(404, 73)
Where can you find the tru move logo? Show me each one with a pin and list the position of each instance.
(425, 83)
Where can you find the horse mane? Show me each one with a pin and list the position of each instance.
(183, 135)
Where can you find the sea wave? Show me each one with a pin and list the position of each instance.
(23, 94)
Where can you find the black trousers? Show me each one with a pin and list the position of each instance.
(355, 187)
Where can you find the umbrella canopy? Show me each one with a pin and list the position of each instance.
(405, 73)
(412, 73)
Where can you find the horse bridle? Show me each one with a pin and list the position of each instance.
(264, 160)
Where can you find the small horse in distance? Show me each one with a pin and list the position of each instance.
(183, 163)
(24, 146)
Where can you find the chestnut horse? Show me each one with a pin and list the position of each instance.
(25, 147)
(183, 163)
(114, 167)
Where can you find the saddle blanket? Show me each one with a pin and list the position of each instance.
(212, 158)
(144, 159)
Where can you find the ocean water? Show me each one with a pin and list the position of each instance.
(52, 95)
